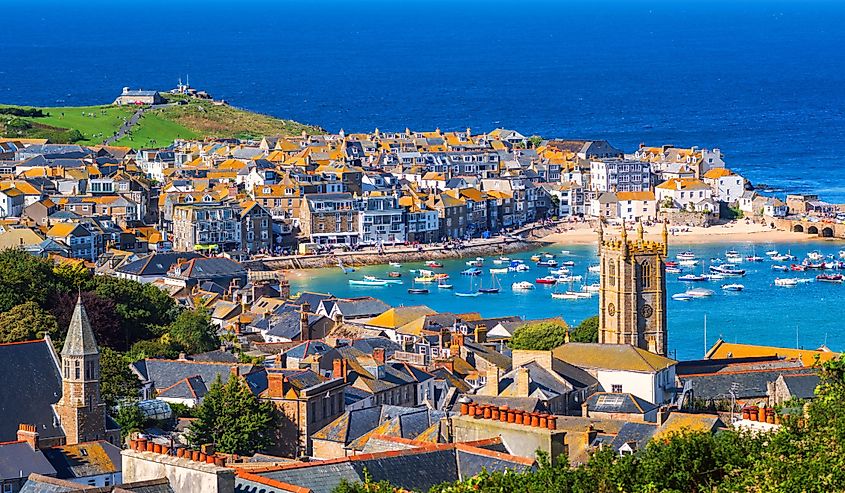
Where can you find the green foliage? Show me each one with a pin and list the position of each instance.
(130, 418)
(19, 111)
(25, 322)
(587, 330)
(193, 332)
(117, 382)
(234, 419)
(151, 349)
(24, 277)
(735, 212)
(534, 141)
(540, 336)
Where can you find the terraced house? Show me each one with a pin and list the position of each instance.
(330, 219)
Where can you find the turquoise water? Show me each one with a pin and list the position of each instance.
(806, 315)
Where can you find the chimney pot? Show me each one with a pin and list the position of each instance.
(378, 355)
(27, 433)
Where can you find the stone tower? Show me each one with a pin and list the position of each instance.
(632, 298)
(81, 411)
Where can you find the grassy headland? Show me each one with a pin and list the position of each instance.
(192, 119)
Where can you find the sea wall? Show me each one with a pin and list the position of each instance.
(402, 255)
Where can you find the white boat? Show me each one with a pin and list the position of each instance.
(595, 269)
(386, 281)
(559, 272)
(786, 283)
(522, 286)
(569, 279)
(691, 278)
(688, 263)
(841, 253)
(581, 294)
(673, 270)
(444, 286)
(364, 282)
(474, 263)
(568, 263)
(733, 287)
(468, 295)
(395, 264)
(780, 267)
(700, 292)
(592, 288)
(772, 253)
(754, 258)
(815, 256)
(565, 296)
(732, 254)
(685, 256)
(681, 297)
(565, 252)
(498, 261)
(503, 270)
(715, 277)
(519, 268)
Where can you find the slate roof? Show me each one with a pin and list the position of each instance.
(307, 348)
(19, 457)
(416, 469)
(32, 362)
(361, 307)
(156, 264)
(801, 386)
(608, 402)
(84, 459)
(80, 339)
(638, 434)
(211, 267)
(747, 384)
(165, 373)
(192, 387)
(38, 483)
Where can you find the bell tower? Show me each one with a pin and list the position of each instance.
(81, 411)
(632, 298)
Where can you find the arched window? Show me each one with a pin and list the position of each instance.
(611, 274)
(645, 273)
(76, 369)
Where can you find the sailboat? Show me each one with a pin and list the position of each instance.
(495, 286)
(472, 293)
(346, 270)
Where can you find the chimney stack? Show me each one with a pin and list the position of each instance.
(339, 368)
(275, 384)
(27, 433)
(378, 355)
(491, 388)
(304, 326)
(522, 382)
(480, 334)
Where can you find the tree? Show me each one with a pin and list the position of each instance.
(100, 312)
(143, 309)
(130, 418)
(234, 419)
(151, 349)
(193, 332)
(117, 382)
(587, 330)
(25, 322)
(539, 336)
(24, 277)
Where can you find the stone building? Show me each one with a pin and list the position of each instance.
(81, 411)
(632, 298)
(130, 96)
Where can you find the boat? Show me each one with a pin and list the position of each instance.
(727, 270)
(522, 286)
(565, 252)
(673, 270)
(493, 289)
(700, 292)
(568, 263)
(394, 274)
(433, 264)
(681, 297)
(569, 279)
(442, 275)
(547, 263)
(817, 266)
(395, 264)
(732, 287)
(474, 263)
(546, 280)
(815, 256)
(841, 253)
(754, 258)
(386, 281)
(688, 263)
(366, 282)
(535, 258)
(346, 270)
(715, 277)
(592, 288)
(688, 255)
(691, 278)
(498, 261)
(772, 253)
(830, 278)
(559, 272)
(417, 291)
(519, 268)
(797, 268)
(594, 269)
(468, 294)
(425, 279)
(472, 271)
(565, 296)
(503, 270)
(732, 254)
(549, 255)
(443, 285)
(780, 267)
(786, 283)
(670, 263)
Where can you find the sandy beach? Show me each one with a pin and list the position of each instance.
(738, 231)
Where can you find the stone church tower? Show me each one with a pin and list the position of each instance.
(632, 298)
(81, 411)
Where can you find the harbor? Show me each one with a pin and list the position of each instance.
(762, 311)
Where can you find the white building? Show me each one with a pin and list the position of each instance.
(632, 206)
(11, 202)
(685, 194)
(727, 186)
(620, 175)
(381, 220)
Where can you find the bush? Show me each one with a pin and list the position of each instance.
(539, 336)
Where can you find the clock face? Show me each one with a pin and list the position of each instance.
(611, 310)
(647, 311)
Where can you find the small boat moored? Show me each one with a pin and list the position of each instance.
(417, 291)
(522, 286)
(700, 292)
(681, 297)
(786, 283)
(837, 278)
(546, 280)
(732, 287)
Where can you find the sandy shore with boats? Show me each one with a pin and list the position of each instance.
(732, 232)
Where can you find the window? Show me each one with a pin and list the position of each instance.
(611, 274)
(76, 370)
(7, 488)
(645, 274)
(616, 389)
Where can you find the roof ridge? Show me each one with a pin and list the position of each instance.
(30, 341)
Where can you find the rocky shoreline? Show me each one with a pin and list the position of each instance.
(410, 254)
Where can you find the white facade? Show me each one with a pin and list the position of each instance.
(727, 187)
(620, 175)
(656, 388)
(632, 206)
(11, 203)
(684, 193)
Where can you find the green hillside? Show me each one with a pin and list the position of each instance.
(90, 125)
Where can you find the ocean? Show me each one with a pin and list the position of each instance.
(762, 313)
(764, 81)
